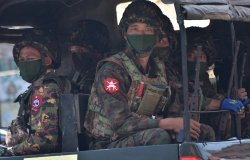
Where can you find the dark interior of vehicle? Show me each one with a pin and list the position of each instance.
(57, 14)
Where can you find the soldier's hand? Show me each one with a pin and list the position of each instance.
(242, 94)
(176, 124)
(195, 129)
(242, 114)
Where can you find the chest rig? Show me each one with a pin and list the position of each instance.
(155, 89)
(146, 96)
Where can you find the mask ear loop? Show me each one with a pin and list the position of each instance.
(43, 67)
(158, 38)
(43, 56)
(128, 43)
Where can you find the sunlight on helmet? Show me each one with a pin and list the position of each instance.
(168, 10)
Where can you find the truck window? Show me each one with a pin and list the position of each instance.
(11, 85)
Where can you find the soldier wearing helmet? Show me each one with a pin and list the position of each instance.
(209, 98)
(89, 40)
(36, 128)
(167, 42)
(131, 93)
(200, 37)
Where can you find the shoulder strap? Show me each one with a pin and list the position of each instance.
(63, 83)
(114, 58)
(23, 100)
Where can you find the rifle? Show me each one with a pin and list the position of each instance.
(243, 69)
(234, 86)
(234, 75)
(194, 101)
(23, 100)
(246, 120)
(19, 126)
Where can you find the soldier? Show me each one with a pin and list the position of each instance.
(36, 128)
(131, 89)
(89, 40)
(210, 100)
(167, 45)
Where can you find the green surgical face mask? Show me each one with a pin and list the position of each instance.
(142, 44)
(191, 69)
(30, 70)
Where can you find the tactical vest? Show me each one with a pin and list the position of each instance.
(24, 99)
(145, 96)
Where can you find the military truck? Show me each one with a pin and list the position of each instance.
(228, 19)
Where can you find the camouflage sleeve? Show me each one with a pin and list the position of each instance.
(44, 122)
(115, 106)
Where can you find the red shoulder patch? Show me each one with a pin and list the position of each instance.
(36, 102)
(111, 85)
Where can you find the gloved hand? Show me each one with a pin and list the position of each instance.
(232, 105)
(246, 102)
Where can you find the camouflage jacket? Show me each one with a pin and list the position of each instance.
(111, 113)
(42, 111)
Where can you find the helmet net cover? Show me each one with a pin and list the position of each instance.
(91, 34)
(141, 11)
(197, 36)
(43, 41)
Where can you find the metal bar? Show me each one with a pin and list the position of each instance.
(243, 69)
(232, 76)
(186, 119)
(69, 130)
(194, 105)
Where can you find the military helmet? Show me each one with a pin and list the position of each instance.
(90, 34)
(197, 36)
(42, 41)
(168, 31)
(141, 11)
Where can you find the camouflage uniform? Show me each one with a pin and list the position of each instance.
(41, 119)
(36, 130)
(200, 36)
(176, 108)
(94, 37)
(126, 104)
(113, 120)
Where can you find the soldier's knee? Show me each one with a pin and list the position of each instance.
(157, 136)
